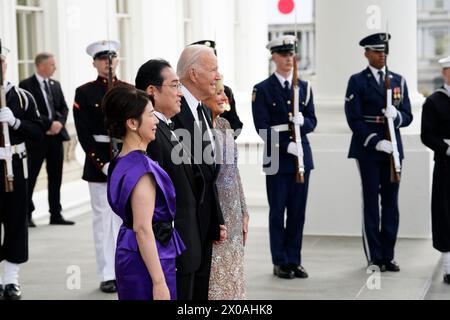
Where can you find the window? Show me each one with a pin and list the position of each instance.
(187, 21)
(440, 44)
(29, 34)
(124, 27)
(439, 4)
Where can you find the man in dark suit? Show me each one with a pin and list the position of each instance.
(367, 117)
(198, 71)
(271, 107)
(161, 82)
(53, 109)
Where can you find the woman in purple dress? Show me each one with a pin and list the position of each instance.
(142, 194)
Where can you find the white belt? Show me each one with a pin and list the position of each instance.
(280, 128)
(101, 138)
(15, 149)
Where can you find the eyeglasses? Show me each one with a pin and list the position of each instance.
(176, 86)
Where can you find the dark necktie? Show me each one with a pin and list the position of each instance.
(206, 141)
(51, 105)
(381, 83)
(286, 87)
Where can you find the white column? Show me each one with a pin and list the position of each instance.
(338, 49)
(340, 25)
(8, 34)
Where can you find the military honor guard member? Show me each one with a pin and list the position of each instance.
(23, 125)
(96, 143)
(435, 134)
(272, 106)
(367, 117)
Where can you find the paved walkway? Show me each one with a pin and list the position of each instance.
(61, 257)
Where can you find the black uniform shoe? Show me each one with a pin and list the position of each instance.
(31, 223)
(376, 266)
(447, 278)
(12, 292)
(299, 272)
(392, 266)
(108, 286)
(61, 221)
(283, 272)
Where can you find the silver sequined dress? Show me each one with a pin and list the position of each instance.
(227, 280)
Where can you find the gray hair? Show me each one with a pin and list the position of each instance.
(41, 57)
(191, 58)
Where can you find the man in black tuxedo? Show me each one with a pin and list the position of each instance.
(53, 109)
(198, 71)
(160, 81)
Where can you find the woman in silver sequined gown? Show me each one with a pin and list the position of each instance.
(227, 279)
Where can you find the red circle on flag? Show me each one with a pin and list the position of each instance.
(286, 6)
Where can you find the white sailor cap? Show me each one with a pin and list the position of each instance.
(445, 62)
(281, 44)
(5, 52)
(100, 49)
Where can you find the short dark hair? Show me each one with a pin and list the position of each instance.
(41, 57)
(150, 74)
(121, 103)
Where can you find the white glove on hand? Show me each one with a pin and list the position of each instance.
(298, 119)
(384, 146)
(448, 151)
(105, 169)
(390, 112)
(7, 116)
(292, 149)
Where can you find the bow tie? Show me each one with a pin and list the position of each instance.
(171, 125)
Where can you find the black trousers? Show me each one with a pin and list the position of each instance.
(51, 150)
(13, 216)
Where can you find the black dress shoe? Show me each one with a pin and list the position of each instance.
(61, 221)
(299, 272)
(392, 266)
(447, 278)
(12, 292)
(283, 272)
(31, 223)
(376, 266)
(109, 286)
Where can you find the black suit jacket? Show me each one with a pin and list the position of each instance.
(31, 84)
(210, 214)
(189, 187)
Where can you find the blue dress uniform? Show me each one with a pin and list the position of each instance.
(365, 99)
(271, 105)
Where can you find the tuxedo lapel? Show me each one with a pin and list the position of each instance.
(38, 95)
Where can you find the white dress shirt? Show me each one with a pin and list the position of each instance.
(44, 93)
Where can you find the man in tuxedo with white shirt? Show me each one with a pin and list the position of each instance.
(53, 110)
(160, 81)
(198, 71)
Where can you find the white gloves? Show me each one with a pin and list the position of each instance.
(448, 151)
(105, 169)
(390, 112)
(384, 146)
(7, 116)
(292, 149)
(298, 119)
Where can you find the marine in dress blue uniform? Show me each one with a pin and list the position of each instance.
(271, 107)
(367, 117)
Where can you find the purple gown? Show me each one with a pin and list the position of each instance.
(133, 279)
